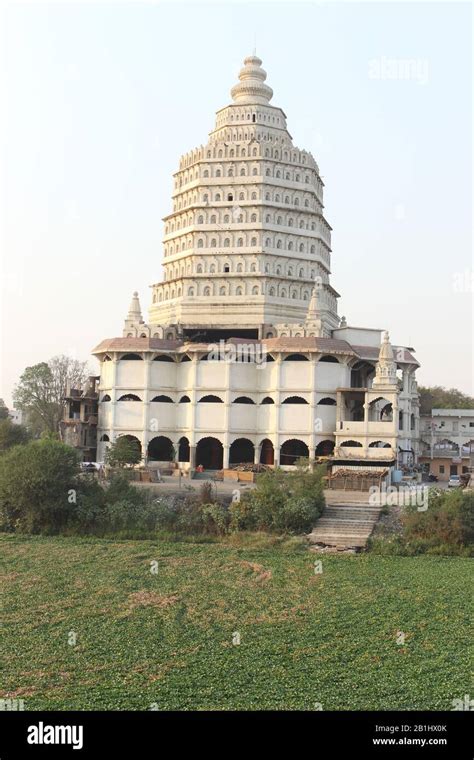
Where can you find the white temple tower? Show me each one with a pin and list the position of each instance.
(246, 241)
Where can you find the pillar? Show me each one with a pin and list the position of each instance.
(226, 451)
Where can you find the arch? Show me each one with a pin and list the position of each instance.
(183, 450)
(106, 358)
(129, 397)
(163, 399)
(295, 400)
(351, 444)
(210, 453)
(160, 449)
(380, 409)
(131, 358)
(292, 450)
(241, 451)
(163, 358)
(324, 448)
(327, 401)
(184, 400)
(105, 438)
(267, 452)
(106, 397)
(329, 359)
(186, 358)
(361, 372)
(210, 399)
(379, 445)
(243, 400)
(296, 358)
(267, 400)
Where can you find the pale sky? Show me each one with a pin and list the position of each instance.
(102, 99)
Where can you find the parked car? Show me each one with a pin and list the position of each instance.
(89, 466)
(454, 481)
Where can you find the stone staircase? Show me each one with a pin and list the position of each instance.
(345, 525)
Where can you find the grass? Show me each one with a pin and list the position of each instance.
(165, 639)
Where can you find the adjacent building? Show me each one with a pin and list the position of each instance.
(78, 427)
(447, 442)
(243, 357)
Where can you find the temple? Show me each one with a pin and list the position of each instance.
(243, 357)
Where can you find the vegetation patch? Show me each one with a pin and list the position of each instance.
(331, 638)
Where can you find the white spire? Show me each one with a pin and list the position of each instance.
(386, 370)
(135, 312)
(251, 88)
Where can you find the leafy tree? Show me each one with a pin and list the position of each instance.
(11, 434)
(3, 410)
(438, 397)
(123, 452)
(38, 486)
(42, 388)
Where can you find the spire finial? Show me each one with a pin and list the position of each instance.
(252, 88)
(135, 312)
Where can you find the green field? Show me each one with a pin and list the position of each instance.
(165, 639)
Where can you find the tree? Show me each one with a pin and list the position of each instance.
(3, 410)
(123, 452)
(438, 397)
(42, 388)
(11, 434)
(38, 486)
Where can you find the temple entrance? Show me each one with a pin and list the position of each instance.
(241, 451)
(267, 454)
(183, 450)
(160, 449)
(325, 448)
(293, 450)
(210, 454)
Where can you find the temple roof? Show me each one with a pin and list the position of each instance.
(293, 344)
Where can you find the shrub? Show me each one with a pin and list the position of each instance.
(38, 486)
(284, 502)
(215, 519)
(446, 527)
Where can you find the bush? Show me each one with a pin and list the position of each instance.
(446, 527)
(282, 502)
(38, 486)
